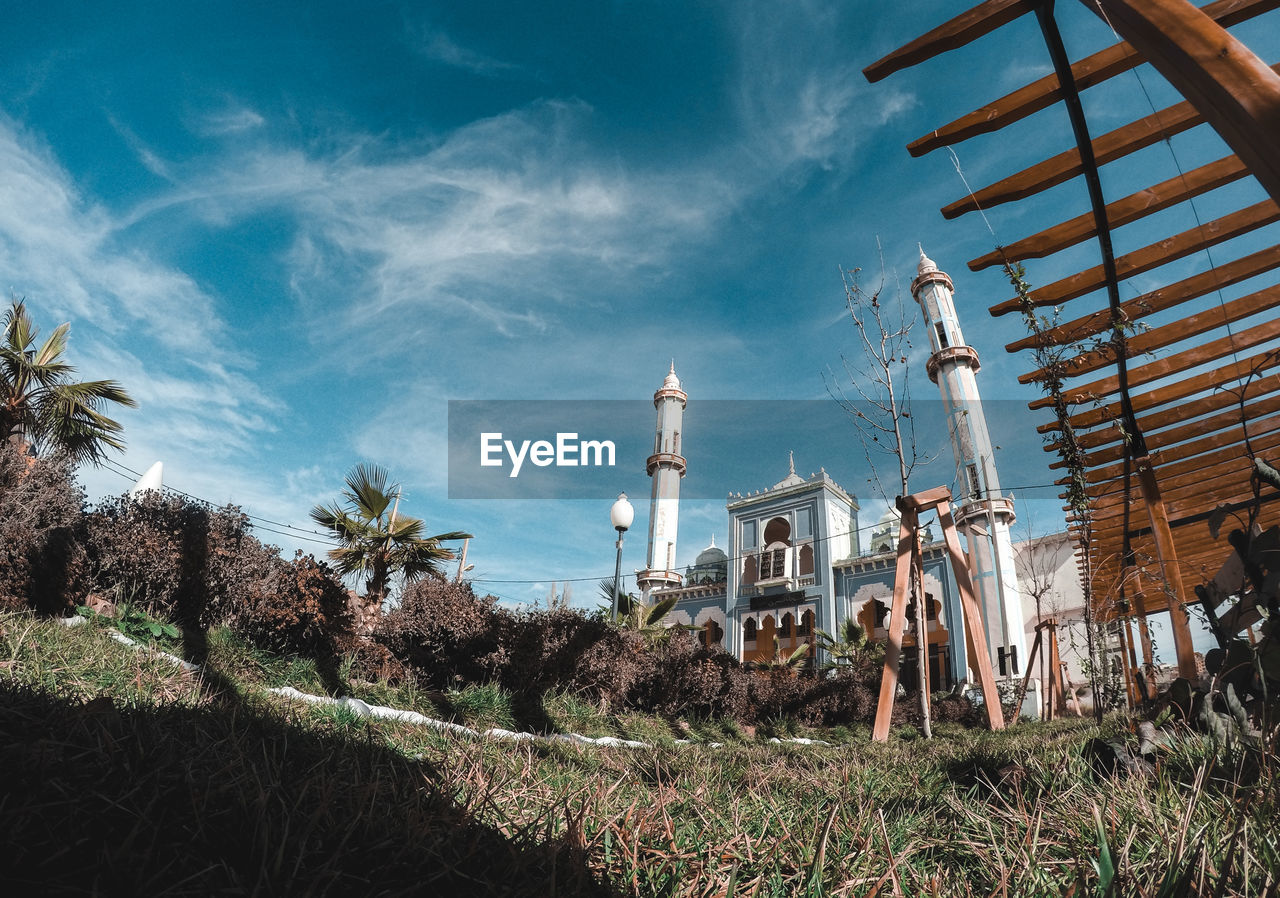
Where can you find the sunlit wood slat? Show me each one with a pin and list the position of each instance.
(1189, 433)
(953, 34)
(1149, 257)
(1184, 328)
(1119, 213)
(1067, 165)
(1238, 94)
(1186, 450)
(1228, 377)
(1177, 363)
(1136, 309)
(1227, 475)
(1193, 466)
(1186, 411)
(1088, 72)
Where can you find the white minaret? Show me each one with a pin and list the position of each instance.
(666, 466)
(981, 512)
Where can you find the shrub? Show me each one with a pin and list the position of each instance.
(177, 558)
(687, 679)
(300, 608)
(442, 631)
(42, 556)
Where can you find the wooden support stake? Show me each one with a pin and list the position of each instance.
(1168, 561)
(1026, 677)
(973, 631)
(975, 634)
(897, 618)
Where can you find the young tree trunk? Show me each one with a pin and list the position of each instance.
(922, 651)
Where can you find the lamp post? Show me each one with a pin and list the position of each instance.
(621, 514)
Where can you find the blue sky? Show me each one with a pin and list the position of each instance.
(295, 231)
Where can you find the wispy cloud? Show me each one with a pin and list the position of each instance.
(801, 97)
(435, 44)
(496, 227)
(234, 118)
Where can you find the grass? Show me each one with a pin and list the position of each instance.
(126, 776)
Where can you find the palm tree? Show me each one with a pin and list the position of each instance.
(41, 407)
(376, 542)
(852, 649)
(782, 662)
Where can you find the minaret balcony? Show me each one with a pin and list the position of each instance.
(660, 579)
(977, 510)
(665, 460)
(952, 355)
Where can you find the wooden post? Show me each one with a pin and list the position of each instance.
(975, 635)
(922, 632)
(1172, 574)
(972, 618)
(897, 618)
(1026, 677)
(1057, 694)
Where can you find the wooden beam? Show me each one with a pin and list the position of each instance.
(1199, 420)
(1067, 165)
(1149, 257)
(1186, 414)
(1124, 211)
(1089, 71)
(1226, 378)
(1183, 512)
(1173, 472)
(1149, 303)
(1225, 475)
(1234, 90)
(1166, 439)
(951, 35)
(975, 633)
(1185, 450)
(1179, 363)
(897, 621)
(1184, 328)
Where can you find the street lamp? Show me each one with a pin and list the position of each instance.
(621, 514)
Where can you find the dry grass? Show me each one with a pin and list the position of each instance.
(164, 785)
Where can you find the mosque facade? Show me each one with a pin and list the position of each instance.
(796, 562)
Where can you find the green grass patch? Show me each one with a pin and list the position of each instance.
(165, 785)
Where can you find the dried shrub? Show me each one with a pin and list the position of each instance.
(444, 632)
(847, 697)
(302, 608)
(177, 558)
(42, 557)
(687, 679)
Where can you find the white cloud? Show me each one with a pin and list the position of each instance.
(435, 44)
(61, 251)
(232, 119)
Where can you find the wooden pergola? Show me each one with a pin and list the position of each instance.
(1165, 442)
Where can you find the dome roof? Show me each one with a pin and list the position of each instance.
(926, 264)
(712, 554)
(671, 380)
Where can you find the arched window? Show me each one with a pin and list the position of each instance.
(749, 630)
(711, 634)
(778, 530)
(788, 630)
(749, 575)
(806, 560)
(806, 624)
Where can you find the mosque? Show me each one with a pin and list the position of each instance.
(794, 561)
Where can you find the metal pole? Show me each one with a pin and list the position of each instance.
(617, 575)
